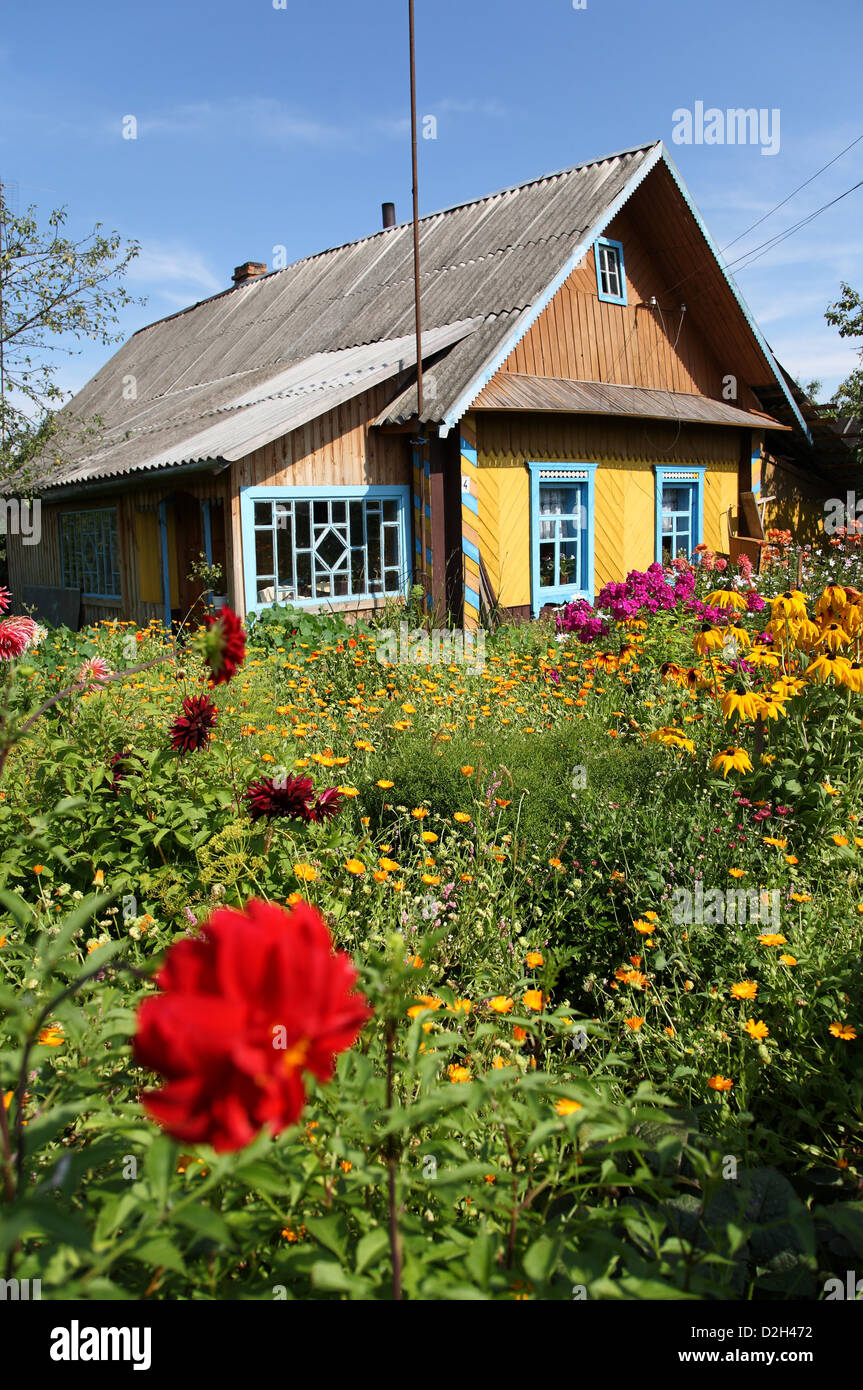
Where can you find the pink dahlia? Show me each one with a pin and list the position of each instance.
(16, 634)
(95, 671)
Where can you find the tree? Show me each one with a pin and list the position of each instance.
(847, 315)
(55, 291)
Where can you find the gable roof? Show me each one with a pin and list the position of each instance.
(240, 369)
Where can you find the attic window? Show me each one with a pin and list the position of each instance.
(610, 275)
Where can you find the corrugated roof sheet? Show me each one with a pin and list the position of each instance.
(485, 261)
(514, 391)
(206, 426)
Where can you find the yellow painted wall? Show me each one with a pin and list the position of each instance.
(624, 525)
(626, 452)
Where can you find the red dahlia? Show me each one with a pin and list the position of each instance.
(191, 730)
(243, 1010)
(224, 645)
(5, 599)
(287, 796)
(329, 803)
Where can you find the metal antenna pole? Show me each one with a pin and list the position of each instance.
(416, 196)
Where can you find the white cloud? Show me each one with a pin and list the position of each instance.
(176, 272)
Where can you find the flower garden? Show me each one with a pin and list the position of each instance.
(323, 978)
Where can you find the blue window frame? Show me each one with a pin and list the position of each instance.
(562, 532)
(610, 273)
(90, 553)
(679, 512)
(318, 545)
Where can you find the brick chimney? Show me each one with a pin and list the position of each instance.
(250, 270)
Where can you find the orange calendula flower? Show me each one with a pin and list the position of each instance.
(458, 1074)
(467, 771)
(534, 958)
(355, 866)
(788, 960)
(568, 1107)
(719, 1083)
(635, 1023)
(843, 1031)
(460, 1006)
(772, 939)
(519, 1033)
(746, 989)
(305, 872)
(532, 999)
(755, 1030)
(736, 873)
(501, 1004)
(425, 1001)
(462, 817)
(52, 1036)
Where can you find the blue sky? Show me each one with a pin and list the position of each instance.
(261, 127)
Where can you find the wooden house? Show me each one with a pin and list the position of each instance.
(595, 393)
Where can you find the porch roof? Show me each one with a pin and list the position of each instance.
(517, 392)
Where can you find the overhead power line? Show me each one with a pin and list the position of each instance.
(793, 194)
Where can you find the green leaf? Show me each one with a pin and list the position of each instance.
(372, 1245)
(205, 1222)
(160, 1254)
(540, 1259)
(329, 1277)
(330, 1231)
(159, 1166)
(21, 911)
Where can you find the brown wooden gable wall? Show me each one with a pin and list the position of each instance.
(582, 338)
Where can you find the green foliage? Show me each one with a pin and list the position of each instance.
(540, 1105)
(55, 290)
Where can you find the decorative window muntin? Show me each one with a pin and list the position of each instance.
(90, 552)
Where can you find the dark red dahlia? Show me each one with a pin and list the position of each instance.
(287, 796)
(329, 803)
(224, 645)
(121, 765)
(191, 731)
